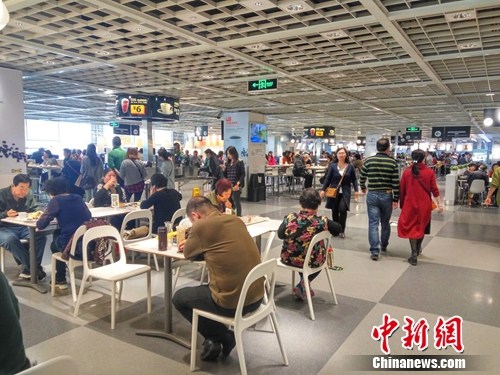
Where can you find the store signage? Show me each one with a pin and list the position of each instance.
(413, 136)
(263, 85)
(446, 133)
(114, 124)
(126, 129)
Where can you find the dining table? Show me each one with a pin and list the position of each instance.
(256, 226)
(31, 225)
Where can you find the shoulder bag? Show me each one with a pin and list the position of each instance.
(332, 192)
(433, 202)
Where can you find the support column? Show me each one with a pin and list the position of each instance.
(147, 136)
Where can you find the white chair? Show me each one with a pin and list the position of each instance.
(241, 322)
(138, 215)
(178, 264)
(477, 187)
(306, 270)
(2, 255)
(63, 364)
(115, 272)
(71, 263)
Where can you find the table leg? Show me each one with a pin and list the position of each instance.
(167, 332)
(33, 282)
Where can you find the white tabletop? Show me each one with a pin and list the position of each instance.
(263, 227)
(99, 212)
(150, 246)
(17, 221)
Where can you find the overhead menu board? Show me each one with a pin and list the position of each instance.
(319, 132)
(162, 108)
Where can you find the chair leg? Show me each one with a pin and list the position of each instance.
(72, 282)
(120, 290)
(52, 277)
(194, 338)
(308, 295)
(156, 263)
(80, 294)
(2, 259)
(149, 291)
(239, 349)
(280, 343)
(330, 281)
(113, 304)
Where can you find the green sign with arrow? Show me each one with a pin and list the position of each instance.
(263, 85)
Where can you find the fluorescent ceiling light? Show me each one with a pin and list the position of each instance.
(485, 138)
(365, 57)
(469, 45)
(460, 16)
(258, 46)
(334, 34)
(337, 75)
(257, 5)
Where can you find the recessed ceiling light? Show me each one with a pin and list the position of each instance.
(382, 79)
(102, 52)
(208, 76)
(294, 6)
(190, 16)
(419, 94)
(291, 62)
(49, 62)
(243, 72)
(138, 28)
(469, 45)
(460, 16)
(257, 5)
(334, 34)
(337, 75)
(413, 79)
(340, 100)
(258, 46)
(365, 57)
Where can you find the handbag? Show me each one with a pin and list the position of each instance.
(331, 192)
(78, 181)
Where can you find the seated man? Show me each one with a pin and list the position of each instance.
(480, 174)
(230, 254)
(14, 199)
(165, 201)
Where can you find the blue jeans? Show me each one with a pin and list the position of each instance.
(379, 207)
(10, 239)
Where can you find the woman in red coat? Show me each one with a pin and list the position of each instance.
(416, 186)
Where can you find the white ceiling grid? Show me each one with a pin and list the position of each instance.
(357, 65)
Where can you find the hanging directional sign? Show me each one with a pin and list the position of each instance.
(126, 129)
(446, 133)
(263, 85)
(412, 129)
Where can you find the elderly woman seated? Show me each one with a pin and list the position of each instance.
(297, 230)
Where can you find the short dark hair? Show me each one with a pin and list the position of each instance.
(310, 198)
(67, 150)
(222, 185)
(117, 141)
(49, 153)
(21, 179)
(383, 144)
(158, 180)
(57, 186)
(202, 204)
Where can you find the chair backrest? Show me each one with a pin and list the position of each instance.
(101, 231)
(265, 270)
(289, 171)
(477, 186)
(324, 236)
(137, 215)
(76, 236)
(181, 212)
(90, 203)
(60, 365)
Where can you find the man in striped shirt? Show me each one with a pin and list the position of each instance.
(383, 194)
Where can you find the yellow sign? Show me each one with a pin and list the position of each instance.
(138, 109)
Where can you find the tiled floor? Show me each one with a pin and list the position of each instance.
(458, 274)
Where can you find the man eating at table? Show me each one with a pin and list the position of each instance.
(230, 254)
(13, 200)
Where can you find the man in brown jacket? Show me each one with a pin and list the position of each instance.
(230, 254)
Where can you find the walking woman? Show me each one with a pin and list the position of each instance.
(167, 167)
(235, 172)
(340, 175)
(91, 170)
(133, 173)
(416, 186)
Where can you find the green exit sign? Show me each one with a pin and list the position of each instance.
(412, 129)
(263, 85)
(114, 124)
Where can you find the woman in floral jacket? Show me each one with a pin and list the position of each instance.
(297, 231)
